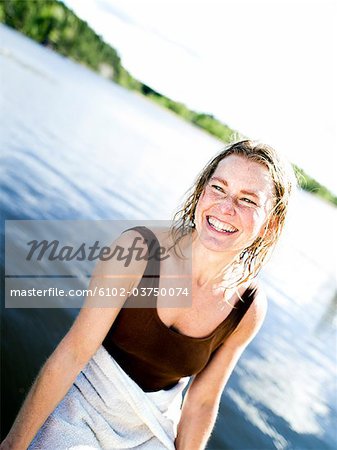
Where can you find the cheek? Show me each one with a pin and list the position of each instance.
(254, 220)
(197, 212)
(202, 203)
(260, 221)
(204, 198)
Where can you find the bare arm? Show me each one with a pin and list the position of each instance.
(74, 351)
(201, 402)
(52, 383)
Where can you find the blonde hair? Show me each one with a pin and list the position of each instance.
(252, 258)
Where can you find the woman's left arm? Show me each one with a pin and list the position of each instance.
(201, 402)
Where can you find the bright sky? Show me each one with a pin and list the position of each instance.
(267, 68)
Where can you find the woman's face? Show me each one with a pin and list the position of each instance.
(233, 207)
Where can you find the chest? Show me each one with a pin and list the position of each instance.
(200, 314)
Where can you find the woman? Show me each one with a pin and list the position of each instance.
(119, 372)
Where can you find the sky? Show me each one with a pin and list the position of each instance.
(267, 68)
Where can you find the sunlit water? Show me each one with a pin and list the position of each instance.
(76, 146)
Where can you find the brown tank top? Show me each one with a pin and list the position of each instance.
(154, 355)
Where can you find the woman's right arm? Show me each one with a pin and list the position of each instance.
(76, 348)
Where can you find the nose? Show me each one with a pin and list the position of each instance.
(227, 205)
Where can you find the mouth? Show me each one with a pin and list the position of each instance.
(220, 227)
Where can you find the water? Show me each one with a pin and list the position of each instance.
(76, 146)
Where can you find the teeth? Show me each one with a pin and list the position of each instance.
(221, 226)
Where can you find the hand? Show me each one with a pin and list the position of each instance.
(5, 445)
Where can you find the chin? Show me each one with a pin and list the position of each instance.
(215, 244)
(220, 241)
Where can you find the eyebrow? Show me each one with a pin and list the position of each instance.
(253, 194)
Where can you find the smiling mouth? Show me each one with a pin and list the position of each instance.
(222, 227)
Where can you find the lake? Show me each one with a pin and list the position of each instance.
(75, 146)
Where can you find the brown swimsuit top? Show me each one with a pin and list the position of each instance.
(154, 355)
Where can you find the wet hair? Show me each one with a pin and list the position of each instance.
(252, 258)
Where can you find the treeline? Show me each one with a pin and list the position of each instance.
(311, 185)
(53, 24)
(205, 121)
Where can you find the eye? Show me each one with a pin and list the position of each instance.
(248, 200)
(217, 188)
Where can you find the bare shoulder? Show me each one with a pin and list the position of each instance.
(128, 251)
(100, 308)
(127, 237)
(253, 319)
(163, 234)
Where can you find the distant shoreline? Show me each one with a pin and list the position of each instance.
(58, 28)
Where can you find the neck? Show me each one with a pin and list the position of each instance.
(208, 266)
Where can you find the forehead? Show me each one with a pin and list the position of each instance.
(245, 174)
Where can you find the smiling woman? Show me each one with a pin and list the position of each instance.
(226, 197)
(250, 185)
(119, 373)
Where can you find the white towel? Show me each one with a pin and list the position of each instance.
(106, 409)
